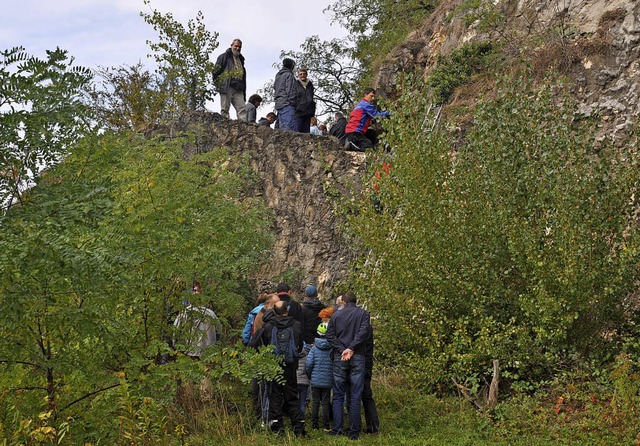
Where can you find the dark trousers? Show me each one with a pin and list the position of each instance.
(303, 124)
(283, 400)
(359, 142)
(320, 397)
(371, 419)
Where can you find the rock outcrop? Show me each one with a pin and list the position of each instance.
(300, 175)
(594, 43)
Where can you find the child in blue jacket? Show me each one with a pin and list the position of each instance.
(319, 368)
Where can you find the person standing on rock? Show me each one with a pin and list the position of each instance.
(285, 88)
(305, 105)
(230, 77)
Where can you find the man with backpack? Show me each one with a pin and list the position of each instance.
(285, 334)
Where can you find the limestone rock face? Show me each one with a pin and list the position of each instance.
(594, 43)
(299, 174)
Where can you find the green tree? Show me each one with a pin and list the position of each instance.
(96, 265)
(518, 243)
(42, 115)
(183, 58)
(130, 97)
(377, 26)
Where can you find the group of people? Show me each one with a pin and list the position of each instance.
(295, 106)
(328, 350)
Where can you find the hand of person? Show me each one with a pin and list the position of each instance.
(346, 354)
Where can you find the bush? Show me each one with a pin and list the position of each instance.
(520, 245)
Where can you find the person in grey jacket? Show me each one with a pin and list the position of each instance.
(285, 88)
(230, 77)
(252, 104)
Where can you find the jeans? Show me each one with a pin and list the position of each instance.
(286, 118)
(348, 374)
(303, 396)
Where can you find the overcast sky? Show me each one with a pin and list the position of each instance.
(111, 33)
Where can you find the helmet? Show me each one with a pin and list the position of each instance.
(322, 329)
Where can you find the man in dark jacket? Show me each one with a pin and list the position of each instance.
(305, 105)
(337, 129)
(283, 397)
(285, 88)
(311, 306)
(348, 331)
(230, 77)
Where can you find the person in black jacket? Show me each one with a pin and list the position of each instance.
(337, 129)
(283, 397)
(305, 105)
(312, 306)
(348, 331)
(230, 77)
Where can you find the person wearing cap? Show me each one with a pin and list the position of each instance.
(311, 306)
(285, 88)
(319, 368)
(347, 332)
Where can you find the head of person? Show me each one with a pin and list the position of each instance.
(369, 95)
(255, 99)
(271, 117)
(339, 302)
(236, 46)
(314, 121)
(262, 298)
(303, 73)
(323, 128)
(310, 292)
(271, 301)
(289, 64)
(282, 290)
(339, 116)
(349, 298)
(280, 308)
(322, 329)
(196, 288)
(326, 313)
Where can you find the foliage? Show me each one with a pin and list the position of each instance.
(96, 265)
(130, 97)
(520, 244)
(377, 26)
(454, 70)
(333, 70)
(41, 116)
(183, 58)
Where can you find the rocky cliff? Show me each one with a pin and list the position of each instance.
(593, 43)
(299, 175)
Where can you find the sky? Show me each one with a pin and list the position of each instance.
(111, 33)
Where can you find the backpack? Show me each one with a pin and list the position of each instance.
(285, 344)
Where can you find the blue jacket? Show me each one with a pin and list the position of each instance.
(246, 333)
(349, 328)
(361, 116)
(319, 365)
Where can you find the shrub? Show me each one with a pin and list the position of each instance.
(520, 244)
